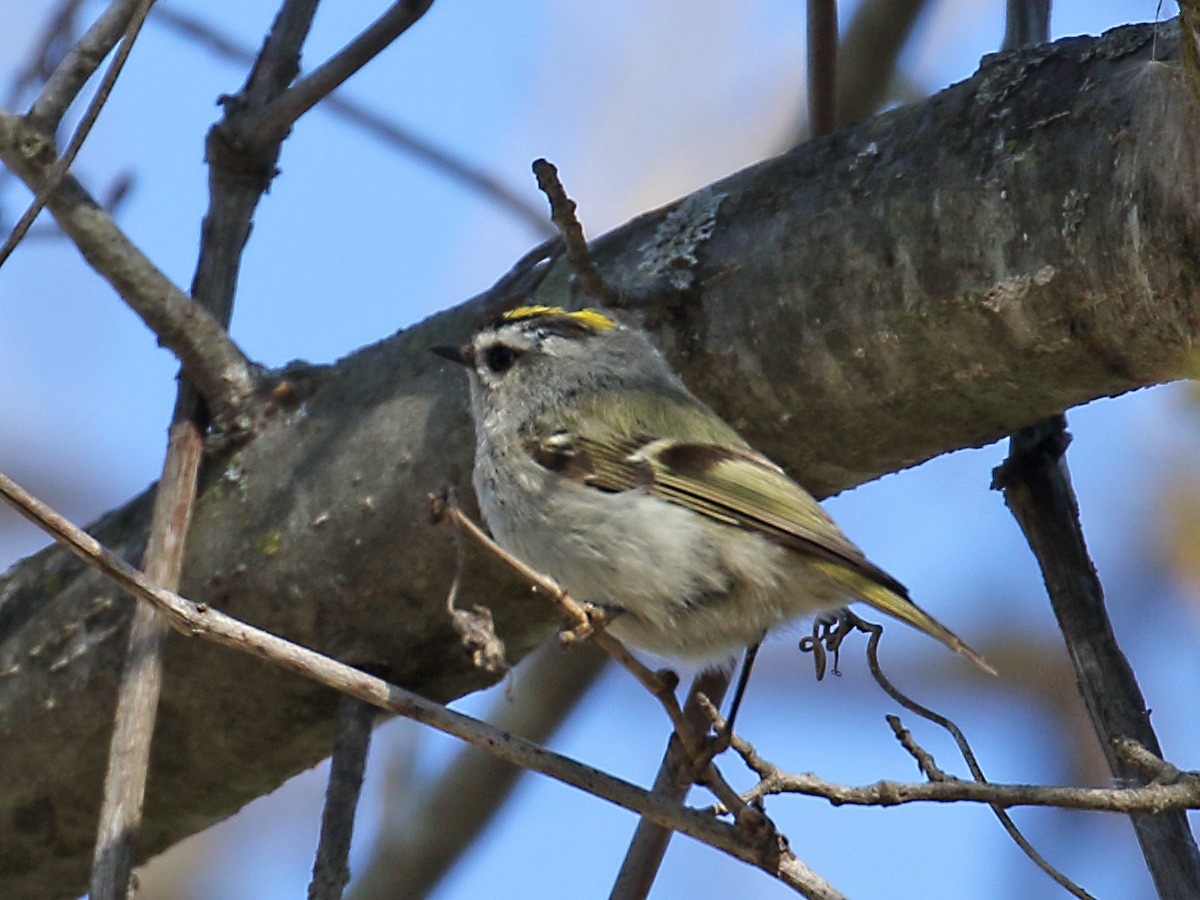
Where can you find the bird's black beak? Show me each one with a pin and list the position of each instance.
(464, 355)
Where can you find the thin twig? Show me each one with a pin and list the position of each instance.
(271, 124)
(141, 682)
(584, 622)
(591, 624)
(769, 854)
(212, 361)
(60, 166)
(475, 627)
(822, 65)
(649, 844)
(875, 632)
(331, 869)
(1152, 798)
(425, 831)
(374, 123)
(239, 175)
(925, 761)
(1037, 489)
(1156, 770)
(579, 258)
(141, 677)
(80, 63)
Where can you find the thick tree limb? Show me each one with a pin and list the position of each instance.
(932, 279)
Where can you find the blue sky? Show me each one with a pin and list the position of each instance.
(637, 103)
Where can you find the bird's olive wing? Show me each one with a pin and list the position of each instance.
(717, 475)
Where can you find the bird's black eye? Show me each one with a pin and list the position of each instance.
(499, 358)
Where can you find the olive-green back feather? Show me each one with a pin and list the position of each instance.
(677, 449)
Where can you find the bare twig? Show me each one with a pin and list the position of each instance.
(423, 835)
(1183, 795)
(1156, 770)
(874, 37)
(331, 869)
(584, 622)
(769, 853)
(562, 213)
(141, 677)
(271, 124)
(590, 623)
(1026, 22)
(58, 36)
(211, 360)
(964, 747)
(78, 65)
(60, 166)
(1037, 489)
(649, 844)
(822, 65)
(925, 761)
(238, 175)
(360, 115)
(475, 627)
(140, 686)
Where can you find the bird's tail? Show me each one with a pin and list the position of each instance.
(888, 600)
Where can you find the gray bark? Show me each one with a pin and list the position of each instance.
(1021, 243)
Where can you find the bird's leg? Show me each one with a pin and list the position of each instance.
(739, 690)
(724, 732)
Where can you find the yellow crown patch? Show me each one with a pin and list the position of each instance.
(591, 319)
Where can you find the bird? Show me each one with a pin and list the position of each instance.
(595, 465)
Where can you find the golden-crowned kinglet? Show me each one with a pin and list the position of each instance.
(596, 466)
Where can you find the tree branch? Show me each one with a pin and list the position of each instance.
(837, 292)
(874, 37)
(273, 123)
(360, 115)
(1037, 488)
(73, 72)
(60, 166)
(423, 836)
(199, 620)
(211, 360)
(646, 850)
(331, 869)
(141, 676)
(1154, 798)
